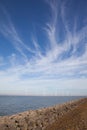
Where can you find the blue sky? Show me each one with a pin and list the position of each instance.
(43, 47)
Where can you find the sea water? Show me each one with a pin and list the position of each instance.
(14, 104)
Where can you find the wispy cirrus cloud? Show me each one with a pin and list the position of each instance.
(57, 55)
(8, 30)
(66, 59)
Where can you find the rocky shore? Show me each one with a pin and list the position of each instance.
(51, 118)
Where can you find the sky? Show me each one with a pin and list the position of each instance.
(43, 47)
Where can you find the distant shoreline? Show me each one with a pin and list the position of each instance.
(47, 95)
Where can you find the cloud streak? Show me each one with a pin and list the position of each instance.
(61, 61)
(8, 30)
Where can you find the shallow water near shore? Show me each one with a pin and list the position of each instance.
(14, 104)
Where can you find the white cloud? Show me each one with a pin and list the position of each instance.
(46, 70)
(45, 87)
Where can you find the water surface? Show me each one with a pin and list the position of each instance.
(14, 104)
